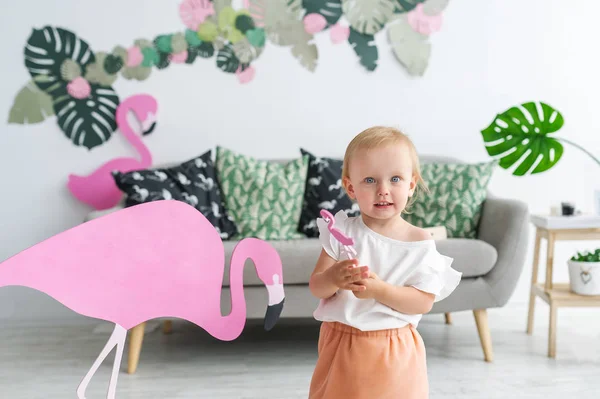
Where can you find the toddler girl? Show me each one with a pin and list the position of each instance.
(369, 347)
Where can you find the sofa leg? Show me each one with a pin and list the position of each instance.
(167, 327)
(481, 319)
(135, 347)
(448, 318)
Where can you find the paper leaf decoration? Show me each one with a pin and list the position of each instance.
(275, 16)
(368, 16)
(46, 51)
(364, 46)
(407, 5)
(177, 258)
(435, 7)
(226, 59)
(307, 53)
(525, 128)
(330, 9)
(90, 121)
(245, 51)
(411, 48)
(31, 106)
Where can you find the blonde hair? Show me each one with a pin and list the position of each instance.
(380, 136)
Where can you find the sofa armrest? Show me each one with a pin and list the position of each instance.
(504, 225)
(97, 214)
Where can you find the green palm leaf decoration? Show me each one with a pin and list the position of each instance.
(520, 136)
(331, 10)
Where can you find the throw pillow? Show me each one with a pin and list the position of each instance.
(323, 191)
(194, 182)
(264, 198)
(456, 196)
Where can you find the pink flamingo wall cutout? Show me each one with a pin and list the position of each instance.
(99, 189)
(153, 260)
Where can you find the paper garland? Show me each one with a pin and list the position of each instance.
(78, 81)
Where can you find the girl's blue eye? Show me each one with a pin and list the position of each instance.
(369, 180)
(395, 179)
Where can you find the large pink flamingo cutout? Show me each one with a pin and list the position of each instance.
(153, 260)
(99, 189)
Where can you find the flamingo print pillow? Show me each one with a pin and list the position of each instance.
(323, 191)
(194, 182)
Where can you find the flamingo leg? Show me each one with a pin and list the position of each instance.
(117, 338)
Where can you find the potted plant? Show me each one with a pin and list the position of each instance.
(584, 273)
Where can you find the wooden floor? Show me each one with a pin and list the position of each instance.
(49, 361)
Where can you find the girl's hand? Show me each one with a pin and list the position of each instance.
(372, 284)
(346, 273)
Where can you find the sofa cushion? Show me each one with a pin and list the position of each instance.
(472, 257)
(455, 198)
(298, 259)
(323, 191)
(194, 182)
(264, 198)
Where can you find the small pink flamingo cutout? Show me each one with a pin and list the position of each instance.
(99, 189)
(346, 241)
(153, 260)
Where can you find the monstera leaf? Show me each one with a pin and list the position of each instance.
(31, 105)
(307, 53)
(90, 121)
(226, 59)
(364, 46)
(281, 19)
(411, 48)
(368, 16)
(331, 10)
(521, 129)
(407, 5)
(45, 52)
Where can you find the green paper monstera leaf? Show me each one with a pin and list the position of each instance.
(434, 7)
(368, 16)
(407, 5)
(281, 20)
(331, 10)
(411, 48)
(87, 122)
(364, 46)
(521, 129)
(226, 59)
(31, 105)
(45, 52)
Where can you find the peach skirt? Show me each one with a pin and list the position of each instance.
(355, 364)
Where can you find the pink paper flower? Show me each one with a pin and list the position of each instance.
(79, 88)
(247, 75)
(134, 57)
(339, 33)
(194, 12)
(179, 58)
(314, 23)
(423, 23)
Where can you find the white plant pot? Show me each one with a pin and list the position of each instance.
(584, 277)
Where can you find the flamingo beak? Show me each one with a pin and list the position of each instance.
(276, 300)
(272, 315)
(149, 130)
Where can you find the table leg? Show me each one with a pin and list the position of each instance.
(552, 330)
(549, 261)
(534, 277)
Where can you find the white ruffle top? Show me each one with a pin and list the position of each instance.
(402, 263)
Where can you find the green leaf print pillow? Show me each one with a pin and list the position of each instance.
(264, 198)
(455, 198)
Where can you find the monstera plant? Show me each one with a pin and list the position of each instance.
(523, 134)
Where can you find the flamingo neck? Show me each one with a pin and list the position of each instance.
(133, 138)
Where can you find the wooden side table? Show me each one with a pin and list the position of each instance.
(556, 295)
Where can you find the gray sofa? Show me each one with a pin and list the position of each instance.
(491, 265)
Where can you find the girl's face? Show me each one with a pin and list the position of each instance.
(381, 180)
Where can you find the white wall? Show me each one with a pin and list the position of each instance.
(489, 56)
